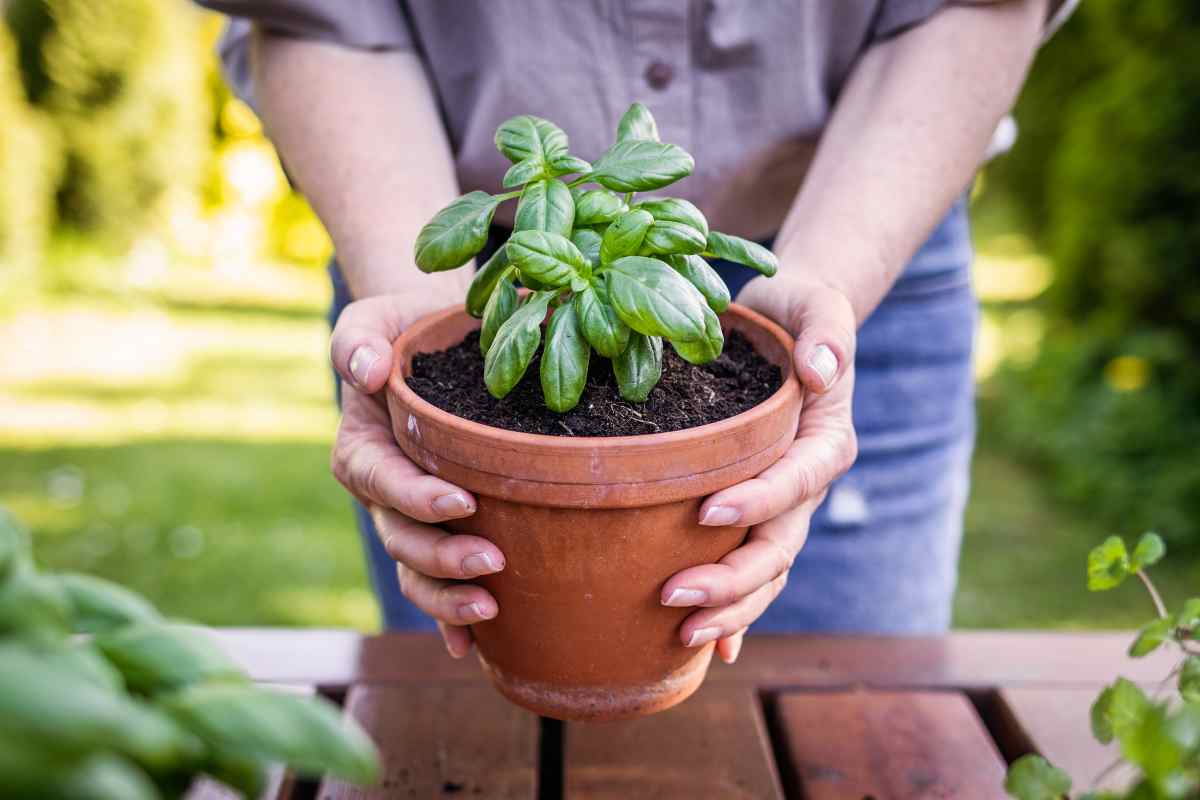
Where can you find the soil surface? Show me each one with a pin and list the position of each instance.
(687, 395)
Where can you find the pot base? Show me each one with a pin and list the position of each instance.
(603, 703)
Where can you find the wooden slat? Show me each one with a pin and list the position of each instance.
(898, 745)
(1056, 724)
(713, 745)
(444, 741)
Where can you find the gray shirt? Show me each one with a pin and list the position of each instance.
(746, 87)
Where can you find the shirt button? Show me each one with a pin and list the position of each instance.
(659, 75)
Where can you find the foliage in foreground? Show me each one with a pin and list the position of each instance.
(136, 707)
(619, 276)
(1159, 736)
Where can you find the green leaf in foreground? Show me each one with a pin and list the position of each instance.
(157, 657)
(546, 206)
(655, 300)
(1118, 708)
(598, 207)
(1108, 565)
(529, 137)
(741, 251)
(98, 605)
(706, 349)
(588, 242)
(639, 367)
(500, 306)
(307, 733)
(599, 322)
(456, 233)
(568, 165)
(624, 237)
(700, 274)
(1148, 551)
(1032, 777)
(548, 258)
(638, 165)
(1151, 636)
(530, 169)
(485, 280)
(637, 123)
(565, 359)
(514, 345)
(1189, 680)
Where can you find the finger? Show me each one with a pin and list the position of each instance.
(375, 469)
(361, 345)
(823, 322)
(446, 601)
(730, 647)
(458, 639)
(434, 552)
(767, 554)
(711, 624)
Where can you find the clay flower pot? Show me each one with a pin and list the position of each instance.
(592, 527)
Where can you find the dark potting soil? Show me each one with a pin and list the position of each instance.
(685, 397)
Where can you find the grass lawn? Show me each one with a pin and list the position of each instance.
(180, 446)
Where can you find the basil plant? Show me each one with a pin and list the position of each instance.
(618, 275)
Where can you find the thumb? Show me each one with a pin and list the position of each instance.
(361, 345)
(823, 322)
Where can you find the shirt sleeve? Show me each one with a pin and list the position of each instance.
(362, 24)
(896, 16)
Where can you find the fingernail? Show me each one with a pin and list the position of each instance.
(360, 364)
(474, 612)
(703, 636)
(720, 515)
(736, 651)
(686, 597)
(479, 564)
(825, 363)
(453, 505)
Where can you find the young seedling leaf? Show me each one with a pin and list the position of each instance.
(1108, 565)
(565, 359)
(524, 137)
(1152, 745)
(456, 233)
(598, 207)
(666, 237)
(588, 242)
(742, 251)
(500, 306)
(638, 165)
(706, 349)
(546, 205)
(550, 259)
(639, 367)
(655, 300)
(514, 345)
(1032, 777)
(159, 657)
(624, 236)
(1148, 551)
(637, 123)
(485, 281)
(569, 165)
(531, 169)
(1151, 636)
(674, 209)
(700, 274)
(1118, 708)
(599, 322)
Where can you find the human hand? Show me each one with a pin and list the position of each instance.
(778, 504)
(405, 502)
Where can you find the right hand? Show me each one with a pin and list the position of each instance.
(405, 502)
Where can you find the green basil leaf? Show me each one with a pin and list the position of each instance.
(527, 136)
(599, 322)
(1032, 777)
(1118, 709)
(1107, 565)
(624, 237)
(664, 237)
(741, 251)
(307, 733)
(638, 367)
(700, 274)
(598, 207)
(500, 306)
(546, 206)
(564, 360)
(485, 280)
(588, 242)
(456, 233)
(568, 165)
(655, 300)
(708, 348)
(637, 165)
(157, 657)
(548, 258)
(1151, 636)
(531, 169)
(98, 605)
(1189, 615)
(514, 345)
(34, 604)
(637, 123)
(1151, 745)
(1189, 680)
(674, 209)
(1148, 551)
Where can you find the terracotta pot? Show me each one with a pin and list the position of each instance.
(592, 527)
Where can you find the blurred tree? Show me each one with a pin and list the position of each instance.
(1108, 171)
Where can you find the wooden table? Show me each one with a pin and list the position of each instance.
(798, 716)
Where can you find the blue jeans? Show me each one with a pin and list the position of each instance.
(882, 552)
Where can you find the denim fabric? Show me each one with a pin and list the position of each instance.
(882, 552)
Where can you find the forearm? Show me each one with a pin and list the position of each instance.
(360, 134)
(909, 131)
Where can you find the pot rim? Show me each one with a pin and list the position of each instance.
(787, 393)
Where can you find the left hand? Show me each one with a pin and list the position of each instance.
(778, 504)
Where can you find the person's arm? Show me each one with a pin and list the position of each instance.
(908, 132)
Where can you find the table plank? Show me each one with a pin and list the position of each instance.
(898, 745)
(1057, 724)
(444, 740)
(712, 745)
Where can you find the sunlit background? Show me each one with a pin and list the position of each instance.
(166, 408)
